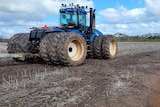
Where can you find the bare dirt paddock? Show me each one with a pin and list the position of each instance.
(130, 80)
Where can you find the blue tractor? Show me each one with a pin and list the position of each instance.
(70, 43)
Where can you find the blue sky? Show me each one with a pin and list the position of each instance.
(132, 17)
(129, 4)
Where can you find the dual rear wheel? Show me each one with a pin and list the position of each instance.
(104, 47)
(63, 48)
(18, 43)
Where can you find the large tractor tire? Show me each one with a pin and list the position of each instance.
(53, 48)
(109, 47)
(72, 49)
(18, 43)
(91, 49)
(91, 52)
(97, 47)
(44, 47)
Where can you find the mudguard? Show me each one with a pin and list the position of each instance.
(97, 33)
(36, 35)
(65, 30)
(55, 30)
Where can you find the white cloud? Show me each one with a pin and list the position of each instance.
(30, 6)
(27, 10)
(153, 7)
(23, 27)
(112, 15)
(6, 32)
(32, 10)
(120, 26)
(15, 15)
(122, 15)
(134, 21)
(130, 29)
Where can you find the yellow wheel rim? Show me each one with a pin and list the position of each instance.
(112, 47)
(75, 50)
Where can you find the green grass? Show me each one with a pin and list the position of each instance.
(3, 40)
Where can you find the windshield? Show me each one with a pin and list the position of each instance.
(68, 19)
(82, 22)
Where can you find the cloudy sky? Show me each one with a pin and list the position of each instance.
(132, 17)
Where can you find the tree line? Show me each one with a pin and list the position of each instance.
(150, 37)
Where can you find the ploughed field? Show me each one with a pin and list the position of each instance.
(132, 79)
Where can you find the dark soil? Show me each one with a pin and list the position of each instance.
(127, 81)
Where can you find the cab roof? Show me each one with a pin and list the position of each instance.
(79, 10)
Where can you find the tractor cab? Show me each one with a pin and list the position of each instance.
(73, 17)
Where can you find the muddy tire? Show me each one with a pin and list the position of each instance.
(18, 43)
(97, 47)
(109, 47)
(72, 49)
(44, 47)
(91, 48)
(53, 54)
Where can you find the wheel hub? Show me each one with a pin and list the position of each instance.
(72, 49)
